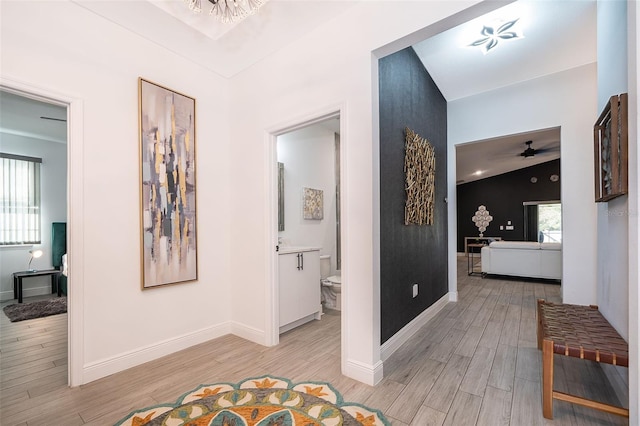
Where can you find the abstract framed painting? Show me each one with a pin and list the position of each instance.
(312, 204)
(167, 186)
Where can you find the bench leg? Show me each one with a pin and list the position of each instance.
(539, 322)
(547, 379)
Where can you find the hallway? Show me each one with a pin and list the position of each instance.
(476, 363)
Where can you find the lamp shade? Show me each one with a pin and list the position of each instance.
(33, 254)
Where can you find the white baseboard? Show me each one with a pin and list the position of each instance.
(370, 374)
(402, 336)
(118, 363)
(27, 292)
(365, 373)
(248, 333)
(298, 323)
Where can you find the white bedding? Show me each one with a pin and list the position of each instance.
(64, 264)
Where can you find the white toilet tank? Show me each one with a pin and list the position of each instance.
(325, 266)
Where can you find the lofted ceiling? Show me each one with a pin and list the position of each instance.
(558, 35)
(491, 157)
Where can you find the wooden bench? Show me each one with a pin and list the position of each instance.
(580, 332)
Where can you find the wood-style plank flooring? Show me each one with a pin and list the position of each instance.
(475, 363)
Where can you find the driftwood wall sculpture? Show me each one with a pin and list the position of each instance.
(420, 173)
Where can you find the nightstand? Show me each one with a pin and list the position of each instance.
(19, 276)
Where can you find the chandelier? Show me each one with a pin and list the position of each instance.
(228, 10)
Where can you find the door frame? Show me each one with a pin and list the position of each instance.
(75, 214)
(272, 329)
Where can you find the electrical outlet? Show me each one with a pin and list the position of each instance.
(509, 227)
(415, 290)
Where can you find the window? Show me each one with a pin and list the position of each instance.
(550, 223)
(20, 198)
(543, 221)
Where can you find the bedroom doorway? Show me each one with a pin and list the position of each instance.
(35, 125)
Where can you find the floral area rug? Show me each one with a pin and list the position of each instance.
(261, 401)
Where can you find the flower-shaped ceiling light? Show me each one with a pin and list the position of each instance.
(482, 219)
(228, 10)
(492, 34)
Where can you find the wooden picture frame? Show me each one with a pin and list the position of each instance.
(167, 186)
(610, 134)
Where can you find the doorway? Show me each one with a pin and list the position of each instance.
(306, 157)
(35, 129)
(74, 215)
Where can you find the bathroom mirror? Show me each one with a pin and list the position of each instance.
(280, 196)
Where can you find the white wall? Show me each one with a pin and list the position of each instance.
(53, 178)
(61, 47)
(331, 67)
(613, 217)
(566, 100)
(64, 48)
(308, 155)
(633, 33)
(618, 230)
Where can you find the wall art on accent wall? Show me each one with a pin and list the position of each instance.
(420, 179)
(312, 204)
(167, 185)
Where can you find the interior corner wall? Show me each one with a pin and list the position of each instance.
(331, 68)
(567, 100)
(613, 216)
(53, 196)
(503, 196)
(409, 254)
(66, 49)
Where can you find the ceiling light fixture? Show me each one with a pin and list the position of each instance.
(492, 34)
(228, 11)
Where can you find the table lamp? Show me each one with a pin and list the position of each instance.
(36, 254)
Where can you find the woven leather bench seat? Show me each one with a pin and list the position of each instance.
(580, 332)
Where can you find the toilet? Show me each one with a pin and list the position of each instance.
(331, 286)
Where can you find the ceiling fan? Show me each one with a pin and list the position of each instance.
(54, 119)
(530, 152)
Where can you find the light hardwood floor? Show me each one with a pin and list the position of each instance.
(475, 363)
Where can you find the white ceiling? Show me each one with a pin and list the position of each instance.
(558, 35)
(21, 116)
(225, 49)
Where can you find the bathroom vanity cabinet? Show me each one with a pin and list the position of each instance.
(299, 277)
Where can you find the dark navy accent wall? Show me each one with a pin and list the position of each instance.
(503, 196)
(409, 254)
